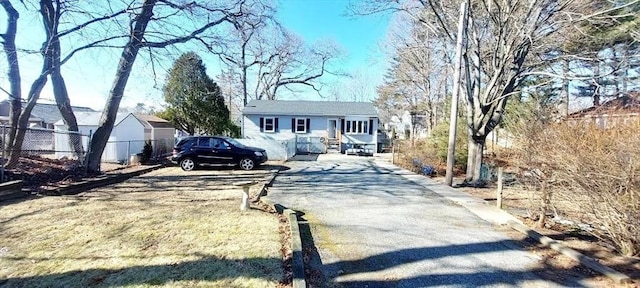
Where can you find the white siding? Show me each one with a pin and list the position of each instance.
(62, 147)
(251, 125)
(318, 128)
(129, 138)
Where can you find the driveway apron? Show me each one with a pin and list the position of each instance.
(374, 228)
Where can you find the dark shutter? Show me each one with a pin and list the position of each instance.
(261, 124)
(293, 125)
(308, 125)
(370, 126)
(276, 123)
(342, 126)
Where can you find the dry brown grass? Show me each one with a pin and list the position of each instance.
(166, 228)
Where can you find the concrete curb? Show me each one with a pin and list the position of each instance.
(498, 216)
(297, 262)
(104, 180)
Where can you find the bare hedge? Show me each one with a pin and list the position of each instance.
(587, 173)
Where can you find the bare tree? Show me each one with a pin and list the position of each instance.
(50, 12)
(9, 47)
(247, 48)
(292, 63)
(503, 35)
(268, 58)
(159, 24)
(415, 82)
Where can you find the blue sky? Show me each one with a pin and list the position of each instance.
(89, 75)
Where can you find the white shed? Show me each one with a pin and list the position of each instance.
(128, 136)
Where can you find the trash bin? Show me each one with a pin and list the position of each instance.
(134, 159)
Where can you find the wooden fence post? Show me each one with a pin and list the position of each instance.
(499, 192)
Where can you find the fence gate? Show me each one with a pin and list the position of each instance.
(311, 145)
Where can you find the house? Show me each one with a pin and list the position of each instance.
(623, 109)
(43, 115)
(129, 134)
(317, 125)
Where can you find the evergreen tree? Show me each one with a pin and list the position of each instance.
(195, 102)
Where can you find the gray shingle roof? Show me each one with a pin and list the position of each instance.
(153, 121)
(309, 108)
(49, 113)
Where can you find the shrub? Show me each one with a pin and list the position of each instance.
(432, 151)
(147, 151)
(589, 174)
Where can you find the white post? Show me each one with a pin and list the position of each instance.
(245, 198)
(246, 185)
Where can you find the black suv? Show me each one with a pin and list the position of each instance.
(216, 151)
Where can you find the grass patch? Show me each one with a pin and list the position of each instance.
(167, 228)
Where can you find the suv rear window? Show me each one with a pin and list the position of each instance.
(183, 141)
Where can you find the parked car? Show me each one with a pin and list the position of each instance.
(194, 151)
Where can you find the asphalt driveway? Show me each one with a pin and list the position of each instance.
(370, 226)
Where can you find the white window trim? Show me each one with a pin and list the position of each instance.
(304, 126)
(273, 125)
(352, 127)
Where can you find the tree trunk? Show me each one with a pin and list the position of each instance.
(564, 93)
(597, 81)
(545, 203)
(15, 148)
(9, 46)
(127, 58)
(51, 17)
(474, 159)
(62, 100)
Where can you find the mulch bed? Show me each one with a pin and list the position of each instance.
(38, 171)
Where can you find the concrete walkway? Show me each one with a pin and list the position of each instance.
(375, 225)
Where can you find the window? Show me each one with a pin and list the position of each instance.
(357, 127)
(205, 142)
(269, 125)
(301, 125)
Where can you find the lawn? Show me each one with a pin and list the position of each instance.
(167, 228)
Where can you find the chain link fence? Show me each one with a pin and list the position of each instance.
(68, 145)
(47, 143)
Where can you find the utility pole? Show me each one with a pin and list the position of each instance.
(453, 119)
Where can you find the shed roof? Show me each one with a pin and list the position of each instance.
(153, 121)
(310, 108)
(91, 118)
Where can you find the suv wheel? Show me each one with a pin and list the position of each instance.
(187, 164)
(246, 164)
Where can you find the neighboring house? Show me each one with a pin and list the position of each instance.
(624, 109)
(402, 126)
(43, 115)
(340, 125)
(128, 136)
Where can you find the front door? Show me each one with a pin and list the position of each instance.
(332, 127)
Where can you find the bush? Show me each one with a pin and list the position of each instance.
(439, 143)
(589, 174)
(433, 150)
(147, 152)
